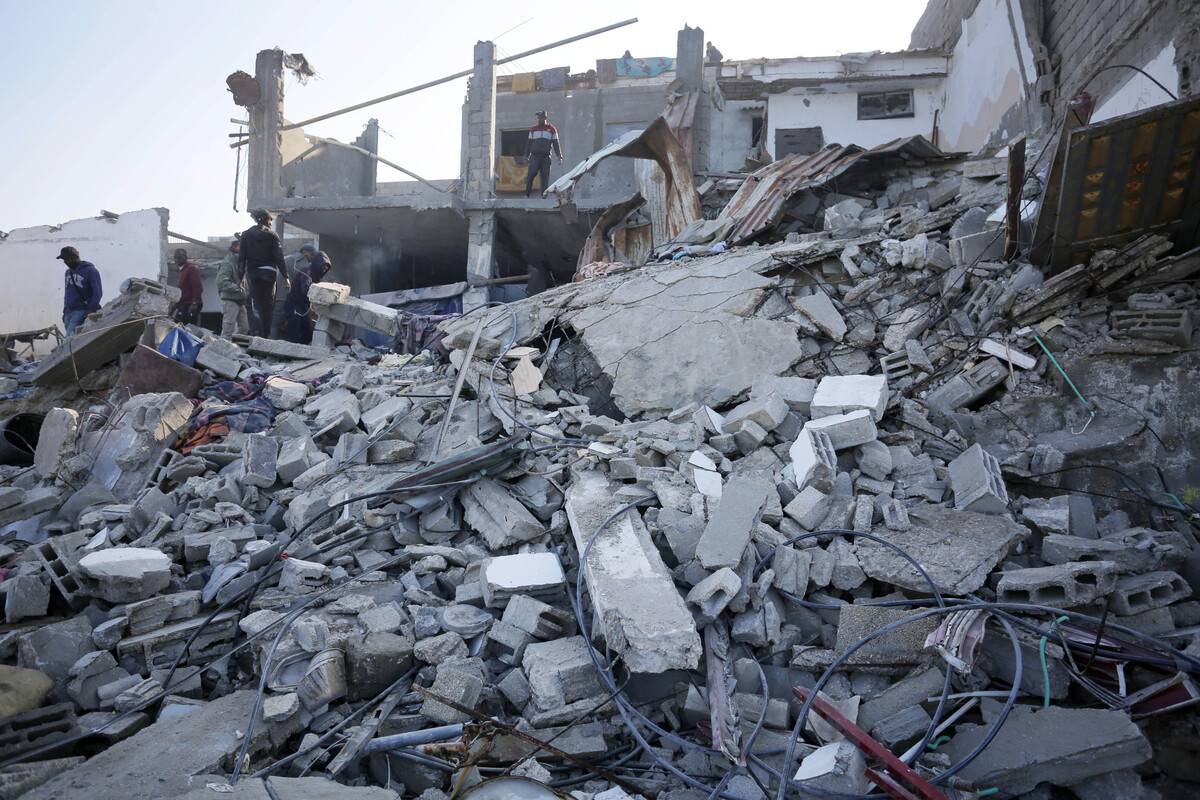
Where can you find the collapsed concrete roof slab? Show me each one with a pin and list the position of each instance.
(667, 336)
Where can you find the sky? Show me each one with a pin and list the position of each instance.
(122, 104)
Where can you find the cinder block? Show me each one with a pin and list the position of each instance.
(1171, 325)
(840, 394)
(1059, 586)
(968, 386)
(1137, 593)
(814, 460)
(977, 483)
(846, 430)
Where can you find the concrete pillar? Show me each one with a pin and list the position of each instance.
(689, 69)
(369, 140)
(478, 183)
(264, 166)
(481, 259)
(479, 172)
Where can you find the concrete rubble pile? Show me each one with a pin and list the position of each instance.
(676, 532)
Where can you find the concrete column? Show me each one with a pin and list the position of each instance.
(481, 259)
(479, 172)
(689, 69)
(264, 166)
(478, 181)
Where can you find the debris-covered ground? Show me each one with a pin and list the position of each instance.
(742, 522)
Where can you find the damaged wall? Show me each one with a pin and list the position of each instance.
(1139, 91)
(834, 109)
(133, 246)
(991, 70)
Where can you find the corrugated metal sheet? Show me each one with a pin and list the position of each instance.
(760, 202)
(679, 203)
(1127, 177)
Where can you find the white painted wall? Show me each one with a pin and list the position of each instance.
(989, 70)
(834, 107)
(1139, 92)
(133, 246)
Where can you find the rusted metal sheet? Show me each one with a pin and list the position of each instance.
(656, 143)
(601, 244)
(759, 204)
(1129, 176)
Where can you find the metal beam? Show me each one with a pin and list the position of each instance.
(190, 240)
(455, 76)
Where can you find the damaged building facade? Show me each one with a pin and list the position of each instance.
(865, 469)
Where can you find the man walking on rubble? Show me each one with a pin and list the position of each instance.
(261, 261)
(82, 290)
(191, 290)
(543, 140)
(231, 288)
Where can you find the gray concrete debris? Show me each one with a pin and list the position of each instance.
(1061, 746)
(641, 614)
(688, 433)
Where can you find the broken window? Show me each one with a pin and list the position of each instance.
(756, 129)
(512, 142)
(885, 105)
(804, 141)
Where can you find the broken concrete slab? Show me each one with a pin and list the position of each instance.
(1056, 745)
(162, 760)
(499, 517)
(728, 531)
(841, 394)
(957, 548)
(640, 613)
(125, 574)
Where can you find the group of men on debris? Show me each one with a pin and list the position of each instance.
(255, 274)
(251, 278)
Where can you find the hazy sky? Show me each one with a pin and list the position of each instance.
(122, 104)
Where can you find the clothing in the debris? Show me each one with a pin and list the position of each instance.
(296, 307)
(191, 294)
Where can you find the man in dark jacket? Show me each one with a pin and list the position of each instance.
(261, 261)
(191, 290)
(82, 290)
(319, 264)
(542, 141)
(296, 307)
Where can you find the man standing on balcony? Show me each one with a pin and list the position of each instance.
(543, 140)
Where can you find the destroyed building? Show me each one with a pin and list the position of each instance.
(868, 470)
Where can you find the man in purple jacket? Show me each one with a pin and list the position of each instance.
(82, 292)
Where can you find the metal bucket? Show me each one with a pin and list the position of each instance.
(18, 438)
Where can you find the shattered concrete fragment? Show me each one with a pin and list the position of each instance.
(125, 574)
(728, 531)
(840, 394)
(639, 611)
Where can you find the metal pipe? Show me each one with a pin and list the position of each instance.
(375, 156)
(190, 240)
(412, 738)
(455, 76)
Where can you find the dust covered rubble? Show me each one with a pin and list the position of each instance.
(662, 499)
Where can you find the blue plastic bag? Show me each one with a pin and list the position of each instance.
(181, 346)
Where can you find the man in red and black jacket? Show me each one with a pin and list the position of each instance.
(191, 290)
(543, 140)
